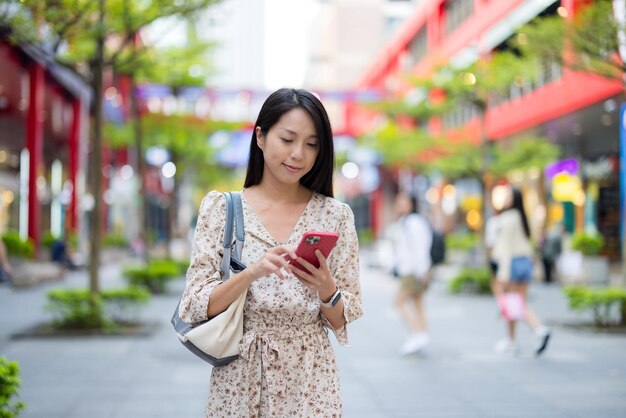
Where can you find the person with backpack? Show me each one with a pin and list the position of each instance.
(412, 241)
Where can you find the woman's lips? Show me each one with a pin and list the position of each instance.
(292, 169)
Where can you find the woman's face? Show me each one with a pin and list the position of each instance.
(508, 198)
(402, 204)
(290, 147)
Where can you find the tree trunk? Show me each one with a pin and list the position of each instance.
(484, 182)
(96, 164)
(142, 213)
(172, 209)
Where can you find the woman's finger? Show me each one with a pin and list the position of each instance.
(322, 260)
(310, 267)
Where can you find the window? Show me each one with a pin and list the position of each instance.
(417, 48)
(457, 12)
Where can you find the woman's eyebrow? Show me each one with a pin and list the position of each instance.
(295, 133)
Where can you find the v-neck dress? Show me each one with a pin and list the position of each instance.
(286, 367)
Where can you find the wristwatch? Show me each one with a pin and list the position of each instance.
(334, 299)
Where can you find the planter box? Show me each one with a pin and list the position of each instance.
(32, 272)
(575, 268)
(595, 270)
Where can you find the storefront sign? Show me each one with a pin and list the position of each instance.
(623, 177)
(566, 188)
(568, 166)
(600, 169)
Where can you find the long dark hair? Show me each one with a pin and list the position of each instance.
(517, 203)
(320, 178)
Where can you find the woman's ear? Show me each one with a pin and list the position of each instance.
(260, 139)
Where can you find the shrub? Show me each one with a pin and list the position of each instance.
(9, 387)
(154, 276)
(16, 246)
(461, 241)
(365, 236)
(77, 309)
(587, 244)
(472, 280)
(114, 240)
(122, 305)
(607, 304)
(48, 239)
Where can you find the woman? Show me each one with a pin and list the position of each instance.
(513, 252)
(412, 239)
(286, 365)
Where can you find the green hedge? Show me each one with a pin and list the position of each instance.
(461, 241)
(607, 304)
(471, 280)
(16, 246)
(588, 244)
(114, 240)
(78, 309)
(9, 388)
(154, 276)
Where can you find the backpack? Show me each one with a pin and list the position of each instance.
(437, 248)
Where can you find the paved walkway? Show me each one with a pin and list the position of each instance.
(583, 374)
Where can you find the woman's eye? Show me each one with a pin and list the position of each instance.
(288, 141)
(312, 144)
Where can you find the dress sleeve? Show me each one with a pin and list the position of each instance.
(204, 273)
(344, 265)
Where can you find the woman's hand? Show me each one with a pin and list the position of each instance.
(318, 279)
(273, 261)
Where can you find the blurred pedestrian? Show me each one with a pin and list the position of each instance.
(513, 252)
(491, 233)
(5, 266)
(412, 239)
(550, 249)
(286, 365)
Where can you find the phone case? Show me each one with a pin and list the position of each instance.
(314, 240)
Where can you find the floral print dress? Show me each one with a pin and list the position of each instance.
(286, 366)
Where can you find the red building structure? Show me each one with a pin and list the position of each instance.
(43, 119)
(583, 121)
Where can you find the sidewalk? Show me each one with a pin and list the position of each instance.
(581, 375)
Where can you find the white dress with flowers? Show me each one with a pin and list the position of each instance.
(286, 366)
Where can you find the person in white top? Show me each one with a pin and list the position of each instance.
(491, 232)
(412, 239)
(513, 252)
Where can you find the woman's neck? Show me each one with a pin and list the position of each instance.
(282, 192)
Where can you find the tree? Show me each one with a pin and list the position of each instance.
(590, 40)
(594, 41)
(450, 88)
(88, 37)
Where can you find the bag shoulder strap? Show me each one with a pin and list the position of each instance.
(228, 237)
(240, 235)
(234, 217)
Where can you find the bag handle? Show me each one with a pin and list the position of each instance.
(240, 235)
(234, 215)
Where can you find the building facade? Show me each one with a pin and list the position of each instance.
(583, 122)
(43, 136)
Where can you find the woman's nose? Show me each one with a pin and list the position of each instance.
(297, 151)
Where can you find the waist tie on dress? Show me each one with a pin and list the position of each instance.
(261, 338)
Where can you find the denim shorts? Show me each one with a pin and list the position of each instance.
(521, 269)
(413, 284)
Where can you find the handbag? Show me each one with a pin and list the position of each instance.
(521, 268)
(216, 340)
(512, 306)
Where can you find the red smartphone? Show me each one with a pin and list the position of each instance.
(311, 241)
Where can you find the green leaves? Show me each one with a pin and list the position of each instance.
(588, 42)
(9, 388)
(523, 154)
(603, 302)
(401, 146)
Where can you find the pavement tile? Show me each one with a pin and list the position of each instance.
(582, 374)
